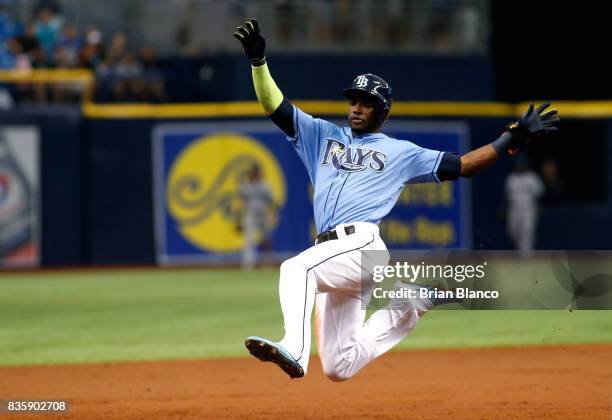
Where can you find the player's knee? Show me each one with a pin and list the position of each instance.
(336, 375)
(336, 368)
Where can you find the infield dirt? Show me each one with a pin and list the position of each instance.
(557, 382)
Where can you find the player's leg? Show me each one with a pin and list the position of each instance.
(249, 253)
(346, 344)
(332, 265)
(334, 269)
(338, 316)
(528, 230)
(513, 227)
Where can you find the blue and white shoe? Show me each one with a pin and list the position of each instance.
(268, 351)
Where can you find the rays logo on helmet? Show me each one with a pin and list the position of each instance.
(361, 81)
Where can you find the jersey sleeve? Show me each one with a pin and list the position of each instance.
(309, 137)
(421, 165)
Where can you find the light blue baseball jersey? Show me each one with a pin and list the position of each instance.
(357, 178)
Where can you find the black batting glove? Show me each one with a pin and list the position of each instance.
(532, 125)
(253, 43)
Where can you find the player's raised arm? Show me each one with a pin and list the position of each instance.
(531, 126)
(269, 95)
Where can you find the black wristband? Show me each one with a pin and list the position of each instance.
(503, 143)
(258, 62)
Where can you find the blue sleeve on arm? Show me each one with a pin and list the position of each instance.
(421, 165)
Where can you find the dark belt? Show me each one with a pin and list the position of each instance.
(332, 234)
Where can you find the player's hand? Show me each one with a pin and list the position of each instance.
(531, 125)
(253, 43)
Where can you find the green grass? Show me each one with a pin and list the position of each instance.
(94, 316)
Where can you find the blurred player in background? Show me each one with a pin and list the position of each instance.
(258, 214)
(523, 188)
(358, 174)
(554, 193)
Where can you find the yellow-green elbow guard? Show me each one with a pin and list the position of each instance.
(268, 94)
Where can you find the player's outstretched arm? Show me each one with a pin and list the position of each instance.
(269, 95)
(531, 126)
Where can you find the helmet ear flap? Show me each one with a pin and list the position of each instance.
(386, 116)
(382, 113)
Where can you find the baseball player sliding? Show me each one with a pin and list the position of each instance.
(358, 174)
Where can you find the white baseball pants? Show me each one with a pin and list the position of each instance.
(330, 273)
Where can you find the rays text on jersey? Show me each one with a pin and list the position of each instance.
(352, 159)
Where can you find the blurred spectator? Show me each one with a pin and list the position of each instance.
(8, 54)
(69, 47)
(92, 53)
(104, 81)
(35, 58)
(12, 56)
(47, 27)
(118, 48)
(22, 60)
(554, 190)
(128, 77)
(8, 27)
(127, 85)
(28, 40)
(39, 59)
(523, 188)
(153, 89)
(67, 55)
